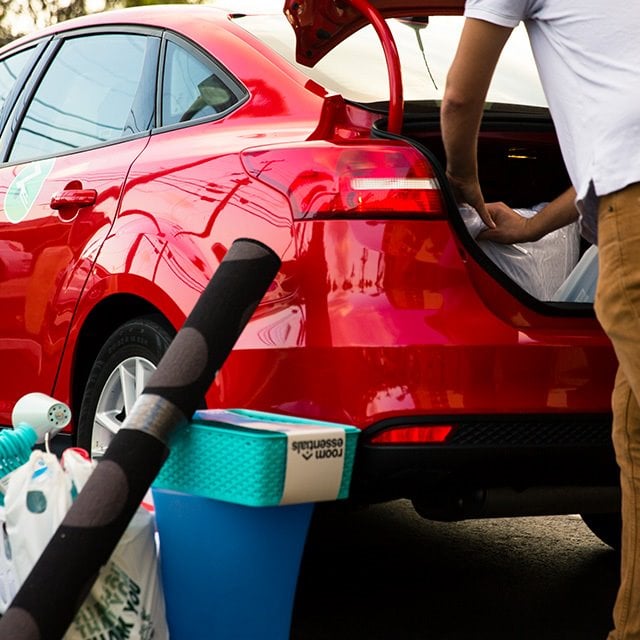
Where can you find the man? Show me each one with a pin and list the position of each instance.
(588, 57)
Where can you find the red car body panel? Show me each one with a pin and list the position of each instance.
(421, 290)
(38, 308)
(371, 318)
(399, 330)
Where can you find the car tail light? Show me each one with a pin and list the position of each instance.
(415, 434)
(369, 179)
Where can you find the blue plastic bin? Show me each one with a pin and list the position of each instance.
(229, 571)
(230, 552)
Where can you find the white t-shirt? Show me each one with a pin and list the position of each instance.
(588, 57)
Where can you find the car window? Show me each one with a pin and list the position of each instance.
(192, 87)
(10, 68)
(86, 97)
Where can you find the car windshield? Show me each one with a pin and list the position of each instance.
(356, 68)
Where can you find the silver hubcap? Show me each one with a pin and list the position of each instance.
(121, 390)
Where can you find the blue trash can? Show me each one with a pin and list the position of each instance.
(229, 571)
(230, 544)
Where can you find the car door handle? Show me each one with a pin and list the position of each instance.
(73, 198)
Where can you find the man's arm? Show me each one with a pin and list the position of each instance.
(511, 227)
(467, 84)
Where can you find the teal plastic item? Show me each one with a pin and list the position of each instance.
(214, 459)
(15, 449)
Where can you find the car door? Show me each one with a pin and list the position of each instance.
(68, 146)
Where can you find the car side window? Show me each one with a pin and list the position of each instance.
(10, 68)
(193, 87)
(86, 96)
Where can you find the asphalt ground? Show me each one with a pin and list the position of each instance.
(384, 573)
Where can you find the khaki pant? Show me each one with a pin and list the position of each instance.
(617, 307)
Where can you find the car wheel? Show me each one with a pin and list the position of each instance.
(606, 526)
(118, 376)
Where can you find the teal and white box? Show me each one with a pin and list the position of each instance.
(260, 459)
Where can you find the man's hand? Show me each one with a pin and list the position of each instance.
(510, 226)
(469, 192)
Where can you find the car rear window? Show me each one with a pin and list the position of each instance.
(194, 87)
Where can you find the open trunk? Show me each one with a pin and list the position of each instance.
(520, 164)
(518, 154)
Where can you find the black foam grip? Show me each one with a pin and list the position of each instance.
(96, 521)
(212, 328)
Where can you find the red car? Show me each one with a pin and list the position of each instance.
(138, 144)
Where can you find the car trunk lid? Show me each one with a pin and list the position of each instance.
(320, 25)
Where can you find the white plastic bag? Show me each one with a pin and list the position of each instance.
(8, 578)
(37, 499)
(538, 267)
(581, 284)
(127, 599)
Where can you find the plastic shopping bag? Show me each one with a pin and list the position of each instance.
(37, 499)
(580, 285)
(538, 267)
(8, 578)
(127, 599)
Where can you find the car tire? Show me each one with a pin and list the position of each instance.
(119, 374)
(606, 526)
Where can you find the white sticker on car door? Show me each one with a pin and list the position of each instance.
(24, 189)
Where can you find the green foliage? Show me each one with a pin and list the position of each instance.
(5, 36)
(22, 16)
(139, 3)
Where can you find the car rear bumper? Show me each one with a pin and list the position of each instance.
(495, 466)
